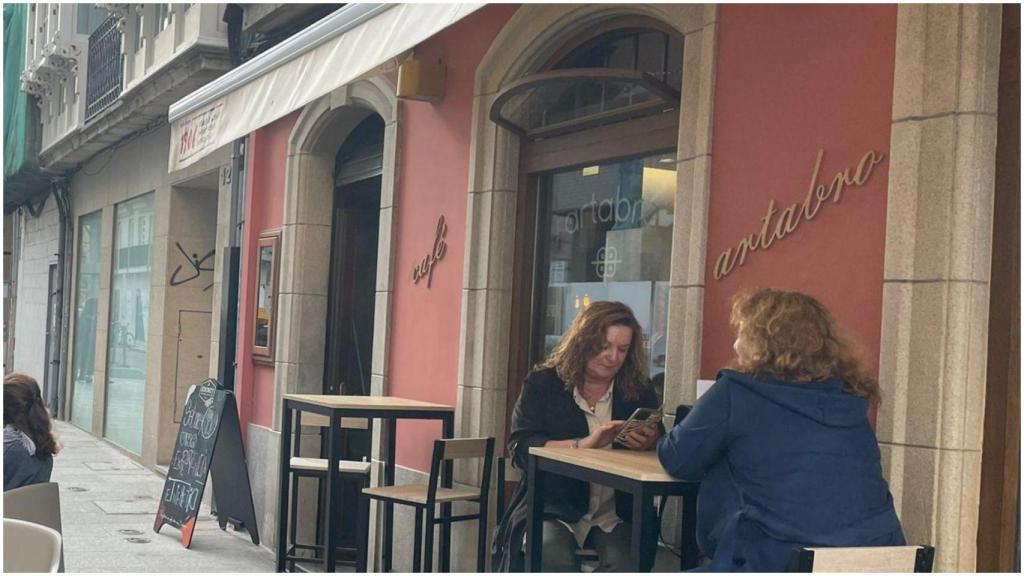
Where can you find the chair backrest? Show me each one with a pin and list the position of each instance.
(30, 547)
(457, 449)
(863, 559)
(36, 503)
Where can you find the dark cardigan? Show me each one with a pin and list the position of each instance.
(547, 411)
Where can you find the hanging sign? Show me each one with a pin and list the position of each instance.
(777, 225)
(426, 266)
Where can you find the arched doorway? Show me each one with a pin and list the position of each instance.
(355, 229)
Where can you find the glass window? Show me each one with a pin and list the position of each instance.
(84, 363)
(605, 233)
(126, 334)
(89, 18)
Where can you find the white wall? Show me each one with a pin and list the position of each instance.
(38, 250)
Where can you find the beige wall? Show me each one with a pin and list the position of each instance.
(185, 209)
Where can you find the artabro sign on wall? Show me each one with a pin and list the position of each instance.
(777, 225)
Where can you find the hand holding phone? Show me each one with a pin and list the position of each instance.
(641, 417)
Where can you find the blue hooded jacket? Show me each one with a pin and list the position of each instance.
(781, 465)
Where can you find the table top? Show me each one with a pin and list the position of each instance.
(368, 402)
(632, 464)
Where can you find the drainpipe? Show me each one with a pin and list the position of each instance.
(12, 296)
(62, 194)
(231, 270)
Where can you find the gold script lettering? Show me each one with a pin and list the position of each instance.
(426, 266)
(790, 218)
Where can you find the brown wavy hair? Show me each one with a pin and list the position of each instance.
(586, 337)
(791, 336)
(24, 409)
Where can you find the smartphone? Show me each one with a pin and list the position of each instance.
(640, 418)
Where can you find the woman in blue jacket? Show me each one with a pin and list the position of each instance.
(782, 445)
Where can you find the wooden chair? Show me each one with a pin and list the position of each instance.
(865, 559)
(424, 498)
(37, 503)
(304, 467)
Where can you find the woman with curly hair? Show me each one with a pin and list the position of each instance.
(29, 442)
(578, 398)
(781, 442)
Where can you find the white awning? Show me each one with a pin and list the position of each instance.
(344, 46)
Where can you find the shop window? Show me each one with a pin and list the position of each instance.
(128, 328)
(604, 233)
(87, 295)
(265, 308)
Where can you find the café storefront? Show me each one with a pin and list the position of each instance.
(435, 246)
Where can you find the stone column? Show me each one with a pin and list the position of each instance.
(936, 279)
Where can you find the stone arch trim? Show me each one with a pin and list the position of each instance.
(306, 235)
(526, 41)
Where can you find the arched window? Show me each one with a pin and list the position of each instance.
(614, 76)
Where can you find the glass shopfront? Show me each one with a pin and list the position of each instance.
(84, 363)
(129, 323)
(605, 233)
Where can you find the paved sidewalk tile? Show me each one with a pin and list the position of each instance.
(108, 504)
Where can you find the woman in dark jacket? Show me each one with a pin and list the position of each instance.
(29, 443)
(782, 445)
(579, 398)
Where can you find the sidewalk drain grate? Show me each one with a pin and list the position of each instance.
(130, 532)
(137, 540)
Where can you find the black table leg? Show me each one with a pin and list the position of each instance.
(389, 480)
(333, 501)
(445, 552)
(535, 516)
(689, 550)
(642, 502)
(282, 502)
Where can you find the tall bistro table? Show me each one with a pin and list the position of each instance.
(387, 408)
(638, 473)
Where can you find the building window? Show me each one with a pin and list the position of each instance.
(616, 76)
(87, 294)
(164, 15)
(128, 328)
(597, 208)
(140, 32)
(89, 18)
(604, 233)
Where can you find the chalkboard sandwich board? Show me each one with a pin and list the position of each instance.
(209, 444)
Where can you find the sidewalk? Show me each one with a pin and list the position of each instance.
(108, 504)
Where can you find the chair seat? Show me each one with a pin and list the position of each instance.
(320, 465)
(417, 494)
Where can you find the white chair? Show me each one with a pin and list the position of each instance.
(866, 559)
(36, 503)
(30, 547)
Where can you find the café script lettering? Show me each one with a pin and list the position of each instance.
(426, 266)
(777, 225)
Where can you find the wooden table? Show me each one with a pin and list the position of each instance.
(335, 407)
(638, 473)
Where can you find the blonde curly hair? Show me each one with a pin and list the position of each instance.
(584, 340)
(791, 336)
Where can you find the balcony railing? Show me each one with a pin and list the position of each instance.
(106, 69)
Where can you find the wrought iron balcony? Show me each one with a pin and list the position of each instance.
(106, 68)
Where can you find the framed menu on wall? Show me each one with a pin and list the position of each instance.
(265, 307)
